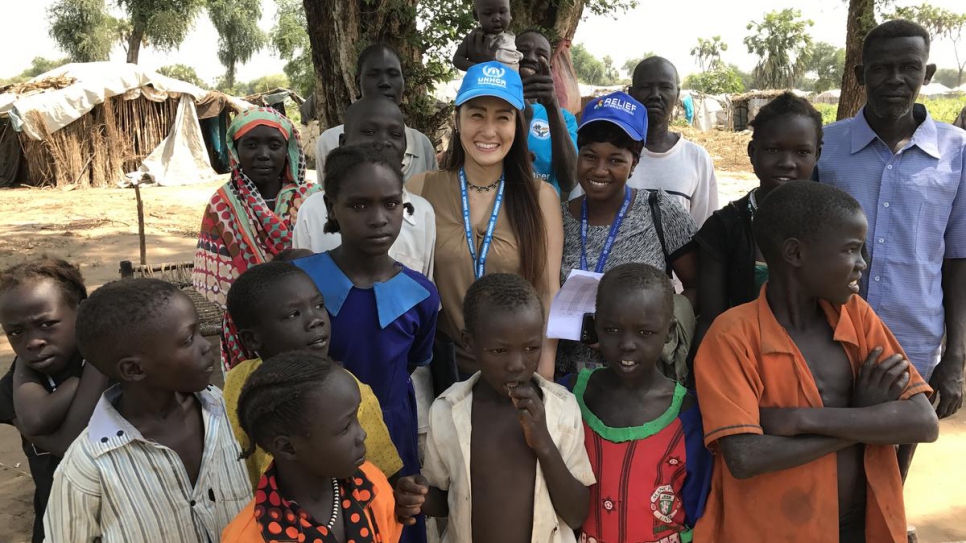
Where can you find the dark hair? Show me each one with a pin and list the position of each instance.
(118, 315)
(275, 396)
(787, 104)
(897, 28)
(636, 276)
(605, 132)
(343, 160)
(537, 31)
(377, 47)
(65, 274)
(501, 291)
(253, 287)
(655, 60)
(522, 200)
(802, 210)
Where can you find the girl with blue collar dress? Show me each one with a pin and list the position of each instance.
(383, 314)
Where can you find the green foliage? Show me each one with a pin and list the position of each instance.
(290, 40)
(164, 24)
(608, 7)
(82, 29)
(721, 80)
(829, 112)
(628, 67)
(708, 52)
(239, 37)
(182, 72)
(782, 44)
(267, 83)
(947, 76)
(941, 23)
(827, 63)
(39, 65)
(942, 109)
(593, 71)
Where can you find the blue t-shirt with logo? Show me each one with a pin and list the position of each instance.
(539, 142)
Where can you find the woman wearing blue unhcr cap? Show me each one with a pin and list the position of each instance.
(613, 224)
(491, 215)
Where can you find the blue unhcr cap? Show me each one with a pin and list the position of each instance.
(491, 79)
(620, 109)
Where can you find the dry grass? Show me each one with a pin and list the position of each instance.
(50, 83)
(100, 147)
(729, 150)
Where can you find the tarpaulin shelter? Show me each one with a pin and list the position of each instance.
(104, 124)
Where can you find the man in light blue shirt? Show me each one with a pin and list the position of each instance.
(553, 130)
(909, 173)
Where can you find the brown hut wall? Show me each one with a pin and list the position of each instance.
(97, 149)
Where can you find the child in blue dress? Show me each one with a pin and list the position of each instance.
(383, 314)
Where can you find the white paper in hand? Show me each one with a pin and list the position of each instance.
(577, 296)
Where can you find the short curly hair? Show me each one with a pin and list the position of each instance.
(500, 291)
(118, 316)
(66, 275)
(799, 209)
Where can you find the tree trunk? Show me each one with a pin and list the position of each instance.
(560, 20)
(134, 40)
(861, 20)
(338, 31)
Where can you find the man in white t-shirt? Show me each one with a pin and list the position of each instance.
(380, 74)
(680, 167)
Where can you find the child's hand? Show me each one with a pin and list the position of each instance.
(882, 382)
(477, 47)
(410, 496)
(532, 418)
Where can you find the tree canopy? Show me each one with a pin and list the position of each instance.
(827, 62)
(239, 37)
(290, 40)
(782, 44)
(184, 73)
(723, 79)
(83, 29)
(708, 52)
(941, 24)
(593, 71)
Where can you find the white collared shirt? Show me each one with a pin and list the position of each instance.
(447, 462)
(115, 486)
(420, 154)
(415, 247)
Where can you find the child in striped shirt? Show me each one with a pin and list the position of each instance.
(158, 461)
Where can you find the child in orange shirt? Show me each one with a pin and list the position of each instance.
(805, 392)
(303, 410)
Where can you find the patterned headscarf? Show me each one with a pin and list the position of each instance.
(239, 229)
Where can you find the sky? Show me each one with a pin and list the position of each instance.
(668, 29)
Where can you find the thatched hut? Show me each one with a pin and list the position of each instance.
(94, 124)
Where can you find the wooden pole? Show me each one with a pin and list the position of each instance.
(144, 249)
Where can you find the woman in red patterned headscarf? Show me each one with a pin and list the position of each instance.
(249, 219)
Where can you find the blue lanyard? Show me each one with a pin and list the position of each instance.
(479, 263)
(611, 237)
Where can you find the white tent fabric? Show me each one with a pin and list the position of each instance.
(181, 158)
(828, 97)
(94, 82)
(934, 89)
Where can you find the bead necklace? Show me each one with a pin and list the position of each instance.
(336, 498)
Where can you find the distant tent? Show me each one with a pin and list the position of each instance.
(934, 89)
(104, 124)
(828, 97)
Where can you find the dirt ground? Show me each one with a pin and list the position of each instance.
(98, 228)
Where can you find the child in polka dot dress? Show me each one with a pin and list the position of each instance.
(319, 489)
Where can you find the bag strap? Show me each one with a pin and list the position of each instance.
(656, 219)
